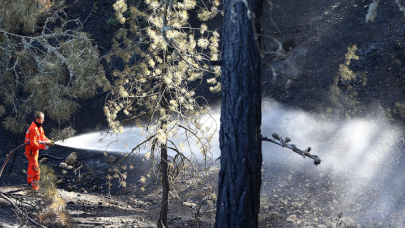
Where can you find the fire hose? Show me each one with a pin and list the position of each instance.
(1, 172)
(15, 150)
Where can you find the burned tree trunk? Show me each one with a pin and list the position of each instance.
(240, 137)
(162, 222)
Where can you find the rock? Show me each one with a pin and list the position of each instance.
(111, 159)
(64, 172)
(141, 203)
(83, 190)
(23, 171)
(176, 218)
(68, 188)
(43, 160)
(321, 226)
(71, 158)
(292, 219)
(114, 202)
(348, 222)
(60, 181)
(190, 205)
(63, 165)
(70, 167)
(274, 215)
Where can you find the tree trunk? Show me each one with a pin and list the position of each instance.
(162, 222)
(240, 137)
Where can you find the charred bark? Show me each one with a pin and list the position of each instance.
(240, 136)
(162, 222)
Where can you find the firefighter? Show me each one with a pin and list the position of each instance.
(37, 139)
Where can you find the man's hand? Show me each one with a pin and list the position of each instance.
(47, 143)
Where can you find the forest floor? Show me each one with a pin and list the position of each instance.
(315, 35)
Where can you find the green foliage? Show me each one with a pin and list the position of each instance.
(112, 21)
(60, 134)
(49, 72)
(343, 92)
(372, 11)
(400, 5)
(53, 211)
(48, 177)
(2, 110)
(399, 109)
(95, 7)
(16, 14)
(373, 7)
(20, 13)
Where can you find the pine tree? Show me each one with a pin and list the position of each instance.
(163, 54)
(343, 92)
(47, 71)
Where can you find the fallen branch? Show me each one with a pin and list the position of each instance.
(83, 163)
(94, 223)
(285, 143)
(20, 211)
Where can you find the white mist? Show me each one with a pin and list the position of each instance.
(360, 158)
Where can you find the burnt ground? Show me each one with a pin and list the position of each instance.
(315, 35)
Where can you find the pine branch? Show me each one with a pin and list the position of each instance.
(170, 41)
(285, 143)
(12, 34)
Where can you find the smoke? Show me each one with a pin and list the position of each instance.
(360, 148)
(360, 174)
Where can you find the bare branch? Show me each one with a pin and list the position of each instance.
(21, 212)
(285, 143)
(133, 149)
(12, 34)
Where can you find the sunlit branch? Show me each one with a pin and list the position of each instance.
(170, 43)
(134, 149)
(195, 135)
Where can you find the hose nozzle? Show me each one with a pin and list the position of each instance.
(49, 143)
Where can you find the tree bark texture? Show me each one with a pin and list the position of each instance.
(240, 136)
(162, 222)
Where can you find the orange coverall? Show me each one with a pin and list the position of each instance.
(33, 135)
